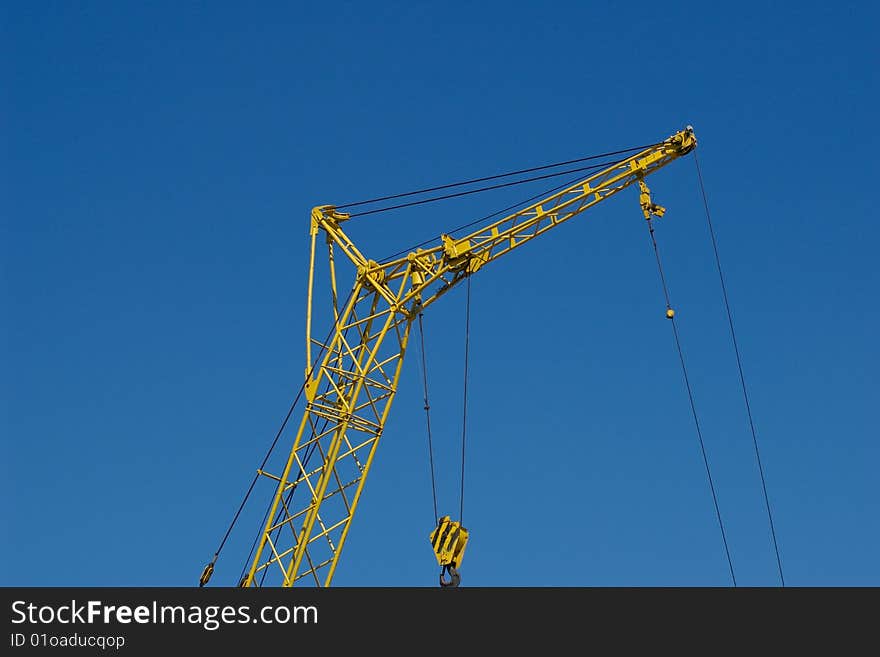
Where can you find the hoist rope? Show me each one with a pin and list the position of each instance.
(274, 443)
(428, 417)
(247, 563)
(467, 340)
(693, 405)
(742, 378)
(310, 450)
(257, 476)
(444, 197)
(482, 219)
(305, 462)
(494, 177)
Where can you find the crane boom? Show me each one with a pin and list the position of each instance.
(353, 381)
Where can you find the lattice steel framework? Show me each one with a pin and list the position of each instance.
(350, 389)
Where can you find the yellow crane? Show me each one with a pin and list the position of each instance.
(350, 388)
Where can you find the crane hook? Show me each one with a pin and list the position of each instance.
(449, 540)
(454, 577)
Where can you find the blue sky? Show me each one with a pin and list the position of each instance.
(158, 167)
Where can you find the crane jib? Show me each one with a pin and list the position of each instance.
(354, 372)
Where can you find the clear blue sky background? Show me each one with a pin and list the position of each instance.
(159, 161)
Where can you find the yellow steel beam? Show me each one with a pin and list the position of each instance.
(359, 369)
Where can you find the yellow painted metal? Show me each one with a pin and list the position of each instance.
(314, 234)
(649, 208)
(353, 379)
(449, 539)
(206, 574)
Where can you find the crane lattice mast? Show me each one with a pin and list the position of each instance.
(350, 389)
